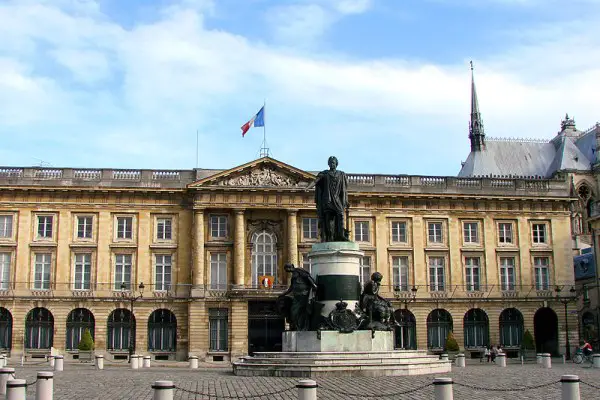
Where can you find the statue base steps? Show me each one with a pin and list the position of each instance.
(335, 341)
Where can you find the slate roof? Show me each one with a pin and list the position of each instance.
(568, 151)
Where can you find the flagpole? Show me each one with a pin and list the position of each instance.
(265, 126)
(197, 148)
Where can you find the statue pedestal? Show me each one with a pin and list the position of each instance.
(338, 342)
(336, 269)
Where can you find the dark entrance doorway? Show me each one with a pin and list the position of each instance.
(545, 327)
(265, 327)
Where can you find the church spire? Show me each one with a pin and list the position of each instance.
(476, 133)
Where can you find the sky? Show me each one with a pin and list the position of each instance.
(382, 84)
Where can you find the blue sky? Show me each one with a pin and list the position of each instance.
(382, 84)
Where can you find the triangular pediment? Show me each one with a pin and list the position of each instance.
(264, 172)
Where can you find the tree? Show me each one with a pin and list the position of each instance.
(86, 343)
(451, 344)
(528, 343)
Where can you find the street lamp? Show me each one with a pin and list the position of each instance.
(405, 299)
(565, 301)
(131, 296)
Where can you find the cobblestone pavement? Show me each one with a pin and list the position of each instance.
(80, 381)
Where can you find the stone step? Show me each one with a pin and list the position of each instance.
(339, 361)
(340, 354)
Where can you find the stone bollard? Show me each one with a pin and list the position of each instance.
(100, 362)
(2, 361)
(59, 363)
(146, 361)
(442, 389)
(307, 389)
(444, 357)
(6, 374)
(546, 360)
(569, 385)
(163, 390)
(501, 357)
(596, 360)
(538, 358)
(564, 359)
(16, 389)
(44, 387)
(193, 362)
(134, 359)
(51, 359)
(460, 361)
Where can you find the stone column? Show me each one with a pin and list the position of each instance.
(239, 249)
(292, 237)
(198, 249)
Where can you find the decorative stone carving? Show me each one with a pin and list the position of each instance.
(258, 225)
(263, 176)
(342, 319)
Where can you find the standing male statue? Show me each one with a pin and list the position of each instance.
(331, 196)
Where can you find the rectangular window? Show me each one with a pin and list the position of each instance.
(83, 271)
(505, 233)
(400, 272)
(41, 272)
(6, 222)
(218, 226)
(310, 228)
(44, 226)
(470, 233)
(164, 227)
(84, 227)
(507, 273)
(436, 274)
(124, 227)
(539, 233)
(365, 269)
(399, 232)
(306, 264)
(434, 230)
(361, 231)
(163, 269)
(218, 320)
(123, 271)
(472, 273)
(542, 273)
(218, 271)
(4, 270)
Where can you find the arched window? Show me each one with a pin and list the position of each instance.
(476, 328)
(121, 330)
(406, 330)
(511, 328)
(264, 256)
(162, 331)
(5, 329)
(39, 329)
(77, 321)
(439, 324)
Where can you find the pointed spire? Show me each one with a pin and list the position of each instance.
(476, 132)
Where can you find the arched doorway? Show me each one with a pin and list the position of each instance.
(162, 331)
(78, 321)
(265, 326)
(39, 329)
(406, 330)
(545, 327)
(511, 328)
(439, 324)
(476, 327)
(6, 321)
(264, 256)
(121, 330)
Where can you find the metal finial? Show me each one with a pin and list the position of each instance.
(471, 63)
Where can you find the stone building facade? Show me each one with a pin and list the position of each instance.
(479, 256)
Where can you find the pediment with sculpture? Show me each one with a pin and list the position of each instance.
(265, 172)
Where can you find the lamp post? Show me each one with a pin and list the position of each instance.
(131, 296)
(406, 300)
(565, 301)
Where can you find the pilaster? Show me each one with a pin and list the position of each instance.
(198, 271)
(292, 236)
(239, 248)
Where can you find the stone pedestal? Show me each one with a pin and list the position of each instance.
(336, 269)
(356, 341)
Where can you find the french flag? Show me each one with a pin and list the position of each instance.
(257, 120)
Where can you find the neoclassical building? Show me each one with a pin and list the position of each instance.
(199, 255)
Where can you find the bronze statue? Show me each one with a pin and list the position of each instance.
(298, 307)
(376, 313)
(331, 196)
